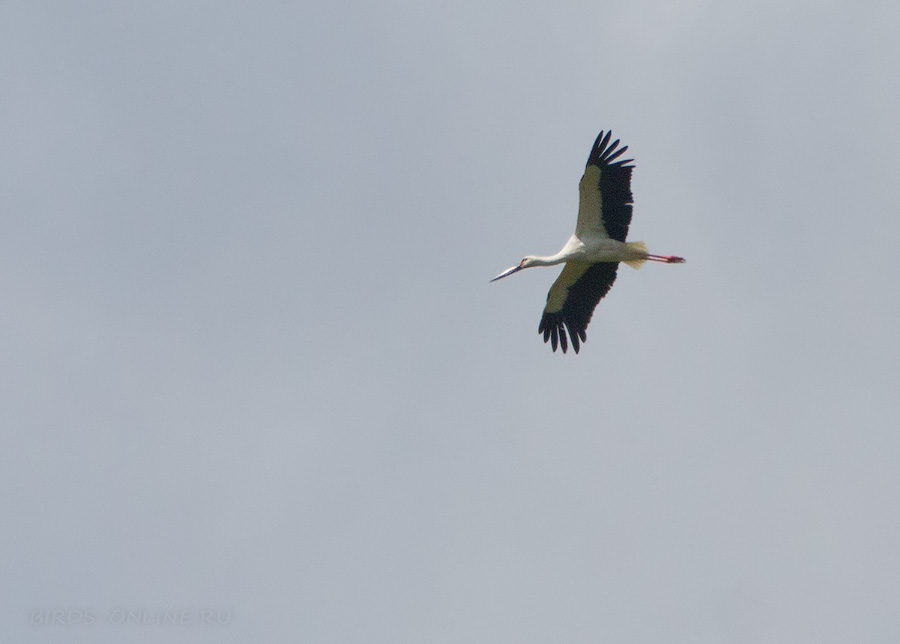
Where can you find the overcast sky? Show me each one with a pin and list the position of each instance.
(252, 366)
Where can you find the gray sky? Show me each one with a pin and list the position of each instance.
(252, 364)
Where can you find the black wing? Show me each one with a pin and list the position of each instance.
(608, 190)
(572, 299)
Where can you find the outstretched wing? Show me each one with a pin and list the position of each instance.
(572, 299)
(604, 208)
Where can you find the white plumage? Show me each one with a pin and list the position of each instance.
(593, 253)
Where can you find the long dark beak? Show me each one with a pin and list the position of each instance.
(508, 271)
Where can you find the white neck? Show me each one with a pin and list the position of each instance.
(550, 260)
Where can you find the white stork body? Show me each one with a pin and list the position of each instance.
(592, 254)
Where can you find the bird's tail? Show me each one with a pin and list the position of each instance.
(641, 248)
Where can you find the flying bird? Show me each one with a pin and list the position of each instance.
(592, 254)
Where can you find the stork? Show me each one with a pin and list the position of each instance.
(592, 254)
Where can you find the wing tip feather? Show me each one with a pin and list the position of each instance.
(604, 153)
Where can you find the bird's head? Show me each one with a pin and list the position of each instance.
(527, 262)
